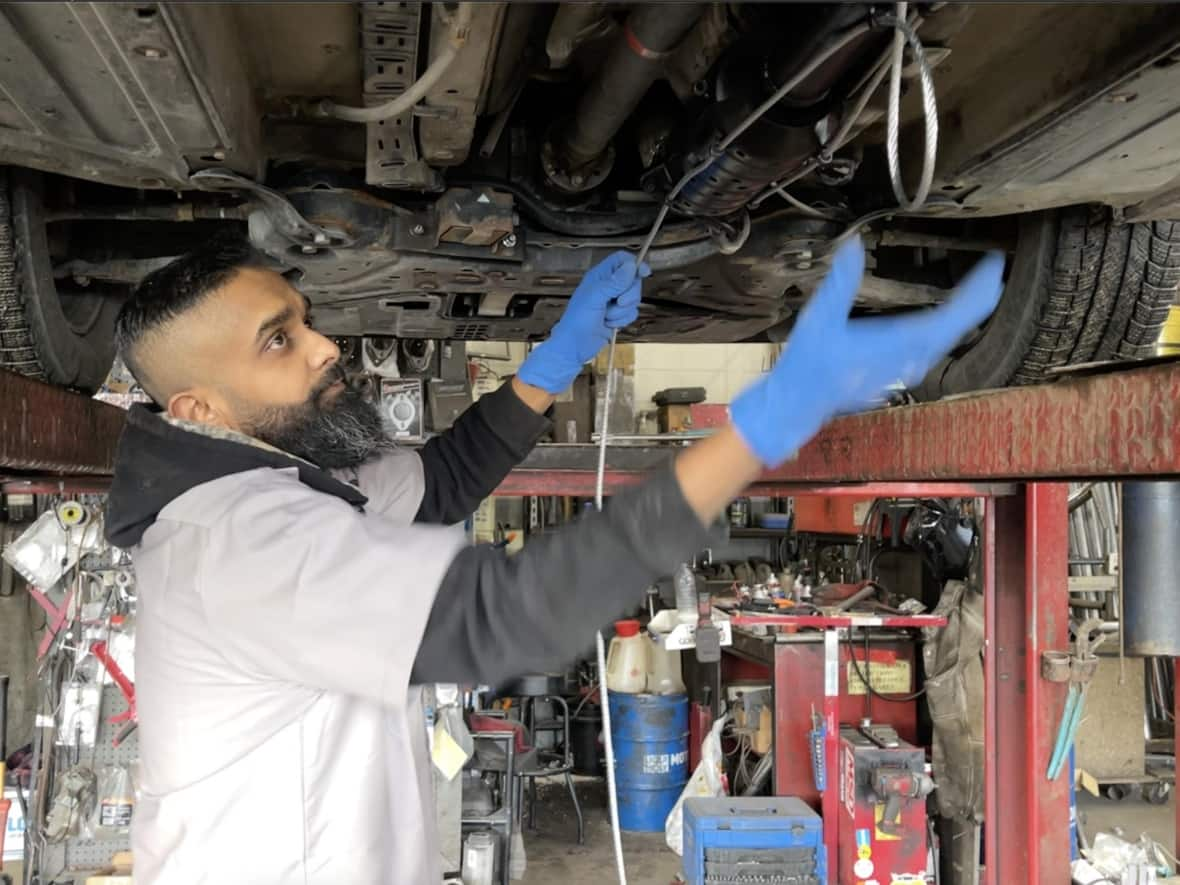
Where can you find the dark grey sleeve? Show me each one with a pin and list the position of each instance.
(464, 464)
(497, 616)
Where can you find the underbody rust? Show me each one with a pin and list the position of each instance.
(45, 429)
(1122, 423)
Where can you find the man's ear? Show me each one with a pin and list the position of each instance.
(190, 405)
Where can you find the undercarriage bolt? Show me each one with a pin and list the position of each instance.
(418, 229)
(509, 242)
(309, 250)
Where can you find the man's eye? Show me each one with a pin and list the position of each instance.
(277, 342)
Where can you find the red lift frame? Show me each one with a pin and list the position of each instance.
(1013, 448)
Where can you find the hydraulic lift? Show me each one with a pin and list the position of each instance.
(1014, 449)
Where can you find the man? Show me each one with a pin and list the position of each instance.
(293, 588)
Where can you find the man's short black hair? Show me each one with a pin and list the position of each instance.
(176, 288)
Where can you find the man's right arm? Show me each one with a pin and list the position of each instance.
(503, 616)
(497, 616)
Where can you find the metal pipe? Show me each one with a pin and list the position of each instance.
(1151, 543)
(172, 212)
(943, 241)
(573, 23)
(859, 596)
(634, 63)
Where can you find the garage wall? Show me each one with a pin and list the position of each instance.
(722, 369)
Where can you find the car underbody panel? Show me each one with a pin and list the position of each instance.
(549, 141)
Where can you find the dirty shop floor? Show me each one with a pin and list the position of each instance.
(555, 857)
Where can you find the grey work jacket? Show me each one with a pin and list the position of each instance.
(281, 740)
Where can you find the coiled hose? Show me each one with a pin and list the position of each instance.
(902, 34)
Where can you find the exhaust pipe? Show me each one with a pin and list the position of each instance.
(579, 156)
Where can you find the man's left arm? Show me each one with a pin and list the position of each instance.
(464, 464)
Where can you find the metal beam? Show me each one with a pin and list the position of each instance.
(1116, 424)
(1124, 423)
(45, 429)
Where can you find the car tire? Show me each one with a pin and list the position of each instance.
(1081, 288)
(71, 345)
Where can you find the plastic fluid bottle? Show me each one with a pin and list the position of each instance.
(479, 858)
(686, 594)
(663, 669)
(626, 662)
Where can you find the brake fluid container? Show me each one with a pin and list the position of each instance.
(663, 669)
(626, 662)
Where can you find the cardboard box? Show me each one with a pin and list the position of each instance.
(573, 413)
(698, 416)
(675, 419)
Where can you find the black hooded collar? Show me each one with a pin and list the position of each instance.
(158, 461)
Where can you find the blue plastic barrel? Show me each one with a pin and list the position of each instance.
(650, 735)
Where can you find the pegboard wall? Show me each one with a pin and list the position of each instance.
(76, 856)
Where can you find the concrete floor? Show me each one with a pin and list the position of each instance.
(554, 854)
(1133, 815)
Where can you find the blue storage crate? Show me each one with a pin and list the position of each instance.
(739, 839)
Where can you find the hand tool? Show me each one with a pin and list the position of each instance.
(126, 686)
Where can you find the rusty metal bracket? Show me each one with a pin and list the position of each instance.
(1055, 666)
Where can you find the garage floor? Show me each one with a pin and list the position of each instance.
(1134, 816)
(555, 856)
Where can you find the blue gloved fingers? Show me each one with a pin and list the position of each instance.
(624, 310)
(927, 336)
(975, 298)
(644, 271)
(909, 346)
(631, 296)
(828, 308)
(612, 275)
(621, 317)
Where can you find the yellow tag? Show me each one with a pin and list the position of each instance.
(892, 678)
(865, 852)
(1089, 783)
(447, 755)
(878, 814)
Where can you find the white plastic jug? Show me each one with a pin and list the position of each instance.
(479, 858)
(663, 670)
(627, 661)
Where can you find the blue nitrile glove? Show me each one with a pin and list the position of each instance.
(606, 299)
(834, 365)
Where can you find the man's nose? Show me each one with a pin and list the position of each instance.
(324, 351)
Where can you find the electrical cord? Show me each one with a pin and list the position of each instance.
(866, 677)
(904, 32)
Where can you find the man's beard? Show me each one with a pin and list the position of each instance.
(344, 432)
